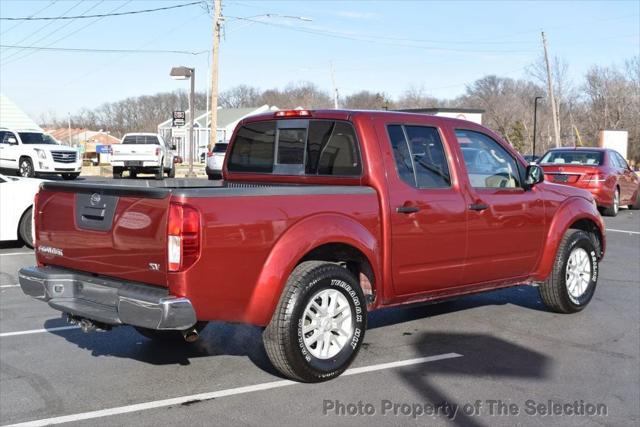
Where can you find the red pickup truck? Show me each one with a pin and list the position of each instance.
(322, 217)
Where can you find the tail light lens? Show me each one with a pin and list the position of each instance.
(157, 151)
(183, 237)
(594, 179)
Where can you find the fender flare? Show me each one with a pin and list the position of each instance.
(572, 210)
(293, 245)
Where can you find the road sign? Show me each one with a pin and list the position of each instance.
(178, 118)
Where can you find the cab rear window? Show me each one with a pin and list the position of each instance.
(296, 147)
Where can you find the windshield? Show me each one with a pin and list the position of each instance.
(573, 157)
(141, 139)
(36, 138)
(220, 148)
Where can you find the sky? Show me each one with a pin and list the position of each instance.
(387, 46)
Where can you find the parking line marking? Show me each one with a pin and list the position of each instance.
(622, 231)
(38, 331)
(18, 253)
(220, 393)
(9, 286)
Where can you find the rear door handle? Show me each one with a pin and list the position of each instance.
(407, 209)
(478, 206)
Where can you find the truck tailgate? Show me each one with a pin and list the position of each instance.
(108, 231)
(132, 152)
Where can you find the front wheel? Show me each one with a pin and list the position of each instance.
(25, 169)
(573, 280)
(172, 171)
(160, 171)
(319, 323)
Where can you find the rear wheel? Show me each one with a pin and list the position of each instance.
(25, 168)
(160, 171)
(636, 205)
(167, 336)
(613, 209)
(319, 323)
(117, 173)
(573, 280)
(25, 228)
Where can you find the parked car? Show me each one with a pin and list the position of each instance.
(16, 208)
(322, 217)
(604, 172)
(31, 152)
(142, 153)
(215, 160)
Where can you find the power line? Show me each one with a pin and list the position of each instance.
(89, 50)
(32, 15)
(133, 12)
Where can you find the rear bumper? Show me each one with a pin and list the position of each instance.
(109, 301)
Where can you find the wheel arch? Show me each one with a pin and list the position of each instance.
(575, 213)
(322, 237)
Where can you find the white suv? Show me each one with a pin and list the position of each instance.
(31, 152)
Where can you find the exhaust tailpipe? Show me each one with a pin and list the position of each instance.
(190, 335)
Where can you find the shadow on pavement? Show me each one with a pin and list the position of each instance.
(484, 356)
(522, 296)
(217, 339)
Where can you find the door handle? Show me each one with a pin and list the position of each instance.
(478, 206)
(407, 209)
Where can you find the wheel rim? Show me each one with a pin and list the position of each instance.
(25, 168)
(327, 323)
(578, 273)
(616, 201)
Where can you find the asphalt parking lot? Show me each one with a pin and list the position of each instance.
(495, 359)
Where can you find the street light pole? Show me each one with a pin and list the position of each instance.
(192, 113)
(535, 123)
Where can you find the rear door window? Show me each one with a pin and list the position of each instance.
(296, 147)
(420, 157)
(141, 139)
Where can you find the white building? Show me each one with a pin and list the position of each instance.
(228, 118)
(470, 114)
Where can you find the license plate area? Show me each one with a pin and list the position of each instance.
(561, 178)
(133, 163)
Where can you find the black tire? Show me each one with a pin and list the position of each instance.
(284, 339)
(160, 171)
(636, 205)
(554, 291)
(25, 168)
(172, 171)
(25, 228)
(117, 173)
(133, 174)
(70, 176)
(169, 337)
(615, 207)
(215, 176)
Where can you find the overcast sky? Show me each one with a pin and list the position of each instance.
(384, 46)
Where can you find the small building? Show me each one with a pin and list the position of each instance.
(470, 114)
(228, 118)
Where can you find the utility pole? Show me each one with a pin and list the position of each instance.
(213, 136)
(554, 111)
(333, 83)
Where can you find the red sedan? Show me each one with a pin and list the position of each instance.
(604, 172)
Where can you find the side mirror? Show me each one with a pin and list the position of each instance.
(173, 147)
(534, 175)
(12, 140)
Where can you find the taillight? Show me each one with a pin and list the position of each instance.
(157, 151)
(594, 179)
(293, 113)
(183, 237)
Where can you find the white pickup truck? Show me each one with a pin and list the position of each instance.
(142, 153)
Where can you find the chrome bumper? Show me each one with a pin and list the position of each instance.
(108, 301)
